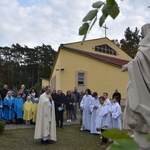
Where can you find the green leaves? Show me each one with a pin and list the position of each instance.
(124, 144)
(90, 16)
(102, 19)
(112, 8)
(97, 4)
(109, 8)
(89, 20)
(115, 134)
(122, 141)
(83, 29)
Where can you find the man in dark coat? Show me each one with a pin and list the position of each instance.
(116, 93)
(4, 91)
(59, 102)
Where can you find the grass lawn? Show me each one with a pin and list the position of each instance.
(69, 138)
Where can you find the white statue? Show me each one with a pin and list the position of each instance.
(137, 110)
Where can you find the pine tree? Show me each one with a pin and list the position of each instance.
(130, 43)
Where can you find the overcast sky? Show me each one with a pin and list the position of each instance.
(52, 22)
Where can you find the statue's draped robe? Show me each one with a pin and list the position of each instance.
(138, 89)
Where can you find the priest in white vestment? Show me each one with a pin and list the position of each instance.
(116, 114)
(85, 106)
(94, 104)
(45, 128)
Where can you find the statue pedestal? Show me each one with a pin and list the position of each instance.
(141, 139)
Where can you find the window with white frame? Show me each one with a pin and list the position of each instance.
(81, 78)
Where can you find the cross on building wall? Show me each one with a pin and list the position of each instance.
(105, 27)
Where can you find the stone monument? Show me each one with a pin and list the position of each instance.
(137, 109)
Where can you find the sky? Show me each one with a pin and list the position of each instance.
(54, 22)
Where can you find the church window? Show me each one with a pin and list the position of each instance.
(81, 77)
(105, 49)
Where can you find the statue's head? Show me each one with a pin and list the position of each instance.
(145, 30)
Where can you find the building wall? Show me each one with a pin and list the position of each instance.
(45, 82)
(56, 73)
(101, 77)
(90, 44)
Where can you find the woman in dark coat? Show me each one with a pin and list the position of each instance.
(69, 105)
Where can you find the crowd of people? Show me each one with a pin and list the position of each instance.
(19, 105)
(98, 112)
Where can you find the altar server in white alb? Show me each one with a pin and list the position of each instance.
(107, 101)
(103, 119)
(116, 114)
(94, 104)
(45, 128)
(85, 106)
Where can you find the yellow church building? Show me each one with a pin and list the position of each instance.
(95, 64)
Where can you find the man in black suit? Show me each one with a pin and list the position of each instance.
(59, 101)
(3, 93)
(116, 93)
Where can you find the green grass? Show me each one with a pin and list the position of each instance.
(69, 138)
